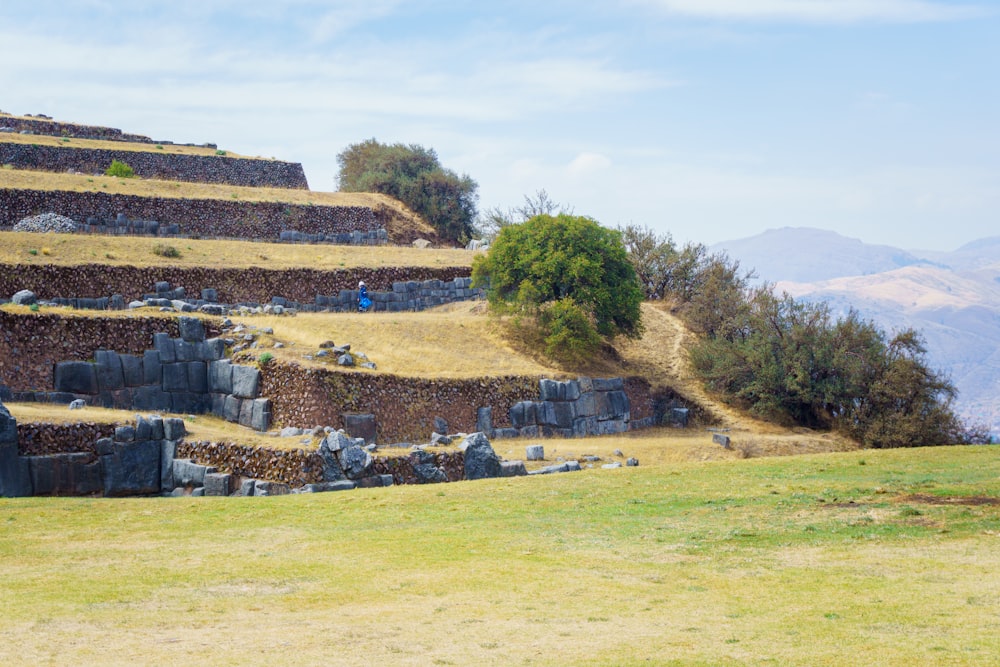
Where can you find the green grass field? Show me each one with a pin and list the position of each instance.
(857, 558)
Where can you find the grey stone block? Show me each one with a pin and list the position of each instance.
(246, 413)
(125, 434)
(151, 369)
(164, 344)
(608, 384)
(132, 468)
(188, 402)
(185, 350)
(168, 451)
(232, 408)
(245, 381)
(190, 474)
(503, 433)
(481, 461)
(355, 462)
(218, 405)
(266, 488)
(197, 377)
(175, 377)
(512, 469)
(565, 414)
(247, 487)
(77, 377)
(143, 429)
(212, 349)
(535, 453)
(375, 481)
(523, 414)
(156, 427)
(173, 428)
(151, 398)
(132, 374)
(585, 426)
(612, 427)
(586, 384)
(586, 405)
(612, 405)
(484, 420)
(220, 376)
(260, 418)
(65, 475)
(545, 413)
(323, 487)
(192, 329)
(551, 390)
(719, 439)
(218, 484)
(528, 431)
(428, 473)
(360, 426)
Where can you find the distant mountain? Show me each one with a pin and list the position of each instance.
(803, 254)
(953, 298)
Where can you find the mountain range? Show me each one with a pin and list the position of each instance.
(952, 298)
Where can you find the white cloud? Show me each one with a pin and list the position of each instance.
(822, 11)
(587, 163)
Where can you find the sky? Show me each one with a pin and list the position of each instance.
(710, 120)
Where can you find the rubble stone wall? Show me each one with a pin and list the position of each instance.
(220, 169)
(251, 285)
(209, 218)
(57, 128)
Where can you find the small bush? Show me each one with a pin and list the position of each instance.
(164, 250)
(119, 169)
(32, 252)
(265, 358)
(33, 307)
(569, 333)
(220, 152)
(46, 251)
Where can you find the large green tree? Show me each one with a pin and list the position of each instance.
(568, 270)
(414, 175)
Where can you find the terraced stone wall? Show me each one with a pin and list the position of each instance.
(164, 166)
(255, 284)
(59, 129)
(209, 218)
(31, 344)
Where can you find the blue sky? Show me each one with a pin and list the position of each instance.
(708, 119)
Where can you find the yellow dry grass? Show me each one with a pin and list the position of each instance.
(148, 187)
(75, 249)
(125, 146)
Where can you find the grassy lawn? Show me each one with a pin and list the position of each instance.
(836, 559)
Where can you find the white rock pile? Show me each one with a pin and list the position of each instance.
(46, 222)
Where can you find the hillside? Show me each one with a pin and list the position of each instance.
(953, 298)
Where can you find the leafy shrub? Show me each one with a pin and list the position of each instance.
(33, 307)
(265, 358)
(220, 152)
(569, 334)
(46, 251)
(119, 169)
(164, 250)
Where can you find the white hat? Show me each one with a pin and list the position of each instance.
(361, 284)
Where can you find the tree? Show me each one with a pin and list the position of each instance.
(413, 175)
(494, 219)
(567, 260)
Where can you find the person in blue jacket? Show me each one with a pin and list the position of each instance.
(364, 303)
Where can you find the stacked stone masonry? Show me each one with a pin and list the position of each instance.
(574, 408)
(325, 289)
(184, 375)
(218, 169)
(209, 218)
(54, 128)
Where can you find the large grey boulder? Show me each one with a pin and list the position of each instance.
(65, 475)
(481, 462)
(428, 473)
(192, 329)
(130, 468)
(76, 377)
(328, 449)
(14, 474)
(24, 298)
(245, 381)
(355, 462)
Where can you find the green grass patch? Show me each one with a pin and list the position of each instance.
(763, 561)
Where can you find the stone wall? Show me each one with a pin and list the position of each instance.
(32, 343)
(232, 286)
(209, 218)
(220, 169)
(59, 129)
(46, 439)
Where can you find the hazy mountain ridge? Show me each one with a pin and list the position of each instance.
(953, 298)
